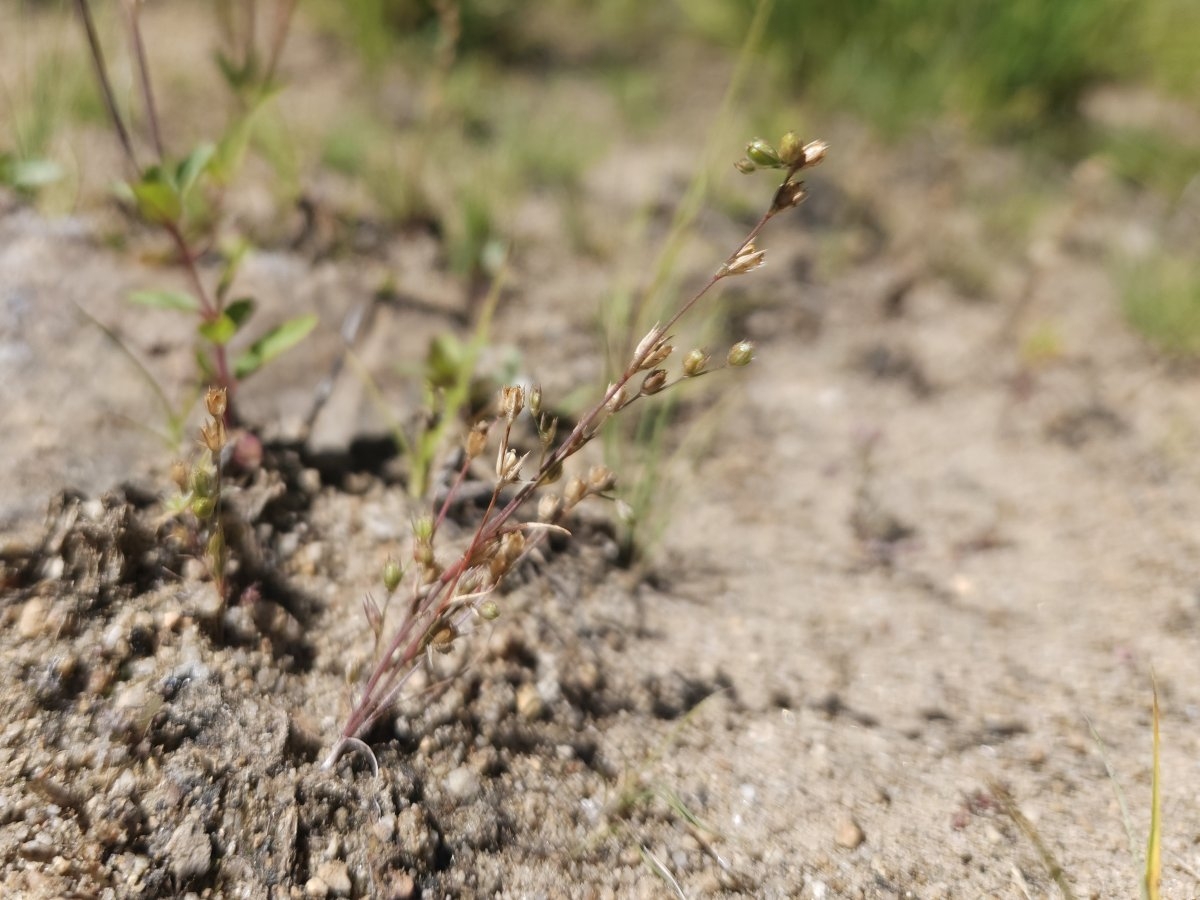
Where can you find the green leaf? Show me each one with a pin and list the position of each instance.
(219, 330)
(158, 201)
(180, 300)
(276, 341)
(191, 168)
(240, 310)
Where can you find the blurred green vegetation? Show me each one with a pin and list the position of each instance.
(1012, 69)
(1162, 301)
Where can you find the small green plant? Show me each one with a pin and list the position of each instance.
(638, 797)
(445, 596)
(181, 199)
(452, 388)
(200, 491)
(1162, 301)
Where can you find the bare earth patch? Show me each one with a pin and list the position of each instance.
(911, 565)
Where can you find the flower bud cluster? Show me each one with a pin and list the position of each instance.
(792, 154)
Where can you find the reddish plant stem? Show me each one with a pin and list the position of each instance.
(391, 675)
(210, 309)
(110, 101)
(139, 52)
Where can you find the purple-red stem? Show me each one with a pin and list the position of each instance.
(371, 705)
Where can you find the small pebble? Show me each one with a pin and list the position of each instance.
(33, 617)
(462, 783)
(336, 876)
(849, 834)
(189, 851)
(529, 702)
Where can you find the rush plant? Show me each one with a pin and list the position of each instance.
(448, 588)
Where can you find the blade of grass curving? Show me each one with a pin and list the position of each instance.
(1152, 878)
(174, 419)
(1122, 803)
(714, 148)
(659, 868)
(1054, 869)
(627, 313)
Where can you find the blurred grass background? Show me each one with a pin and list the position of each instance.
(457, 108)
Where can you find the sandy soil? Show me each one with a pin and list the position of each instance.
(915, 569)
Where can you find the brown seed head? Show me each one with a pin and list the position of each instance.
(549, 508)
(477, 439)
(512, 545)
(535, 400)
(575, 491)
(512, 401)
(442, 639)
(745, 260)
(657, 355)
(618, 399)
(790, 194)
(654, 382)
(653, 338)
(600, 479)
(215, 401)
(212, 435)
(508, 466)
(814, 152)
(371, 611)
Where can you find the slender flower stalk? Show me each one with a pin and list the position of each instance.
(444, 600)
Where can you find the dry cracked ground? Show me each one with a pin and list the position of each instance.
(898, 637)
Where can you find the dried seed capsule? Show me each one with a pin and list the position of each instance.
(477, 439)
(216, 401)
(373, 614)
(512, 401)
(814, 152)
(654, 382)
(576, 491)
(549, 508)
(745, 260)
(601, 478)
